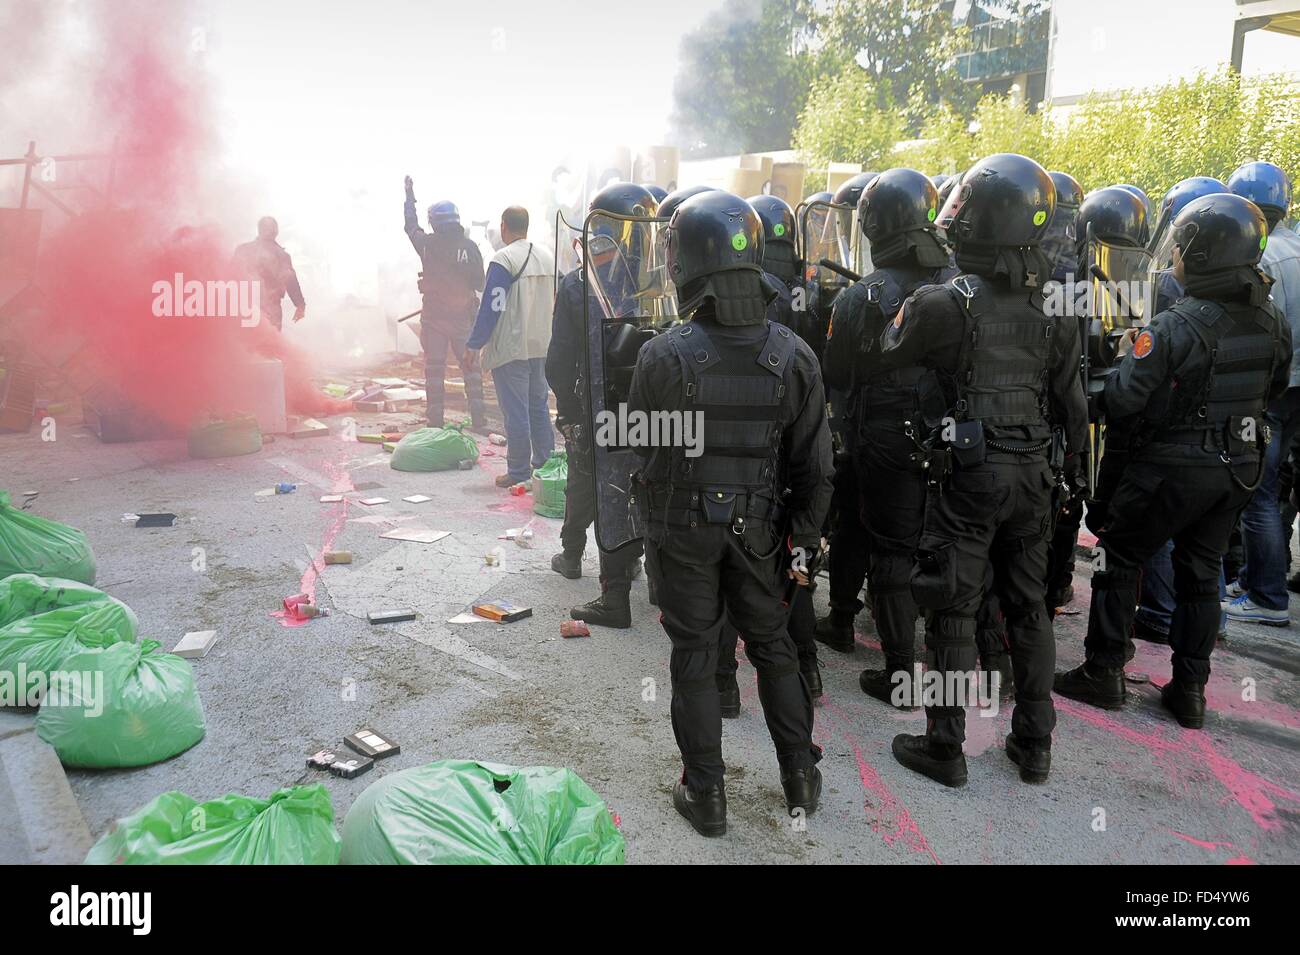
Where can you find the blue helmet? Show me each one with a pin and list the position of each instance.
(443, 213)
(659, 192)
(1181, 193)
(1266, 185)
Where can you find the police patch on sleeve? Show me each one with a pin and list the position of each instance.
(1144, 344)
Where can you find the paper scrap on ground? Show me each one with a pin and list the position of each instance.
(417, 499)
(418, 535)
(467, 618)
(195, 645)
(331, 498)
(372, 501)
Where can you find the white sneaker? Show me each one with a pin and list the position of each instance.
(1247, 611)
(1234, 590)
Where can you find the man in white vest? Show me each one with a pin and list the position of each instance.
(510, 338)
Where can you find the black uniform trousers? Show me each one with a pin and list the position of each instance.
(1196, 507)
(616, 569)
(995, 516)
(892, 494)
(802, 623)
(703, 578)
(847, 562)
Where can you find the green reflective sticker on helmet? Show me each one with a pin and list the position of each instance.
(739, 242)
(1263, 241)
(1040, 217)
(932, 214)
(778, 230)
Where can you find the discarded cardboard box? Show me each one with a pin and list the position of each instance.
(195, 645)
(338, 557)
(502, 611)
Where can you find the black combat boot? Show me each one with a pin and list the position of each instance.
(882, 685)
(1033, 756)
(706, 811)
(729, 696)
(1097, 686)
(803, 789)
(568, 563)
(1186, 702)
(835, 630)
(812, 674)
(610, 609)
(940, 764)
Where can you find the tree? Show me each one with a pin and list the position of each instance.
(905, 47)
(742, 80)
(842, 123)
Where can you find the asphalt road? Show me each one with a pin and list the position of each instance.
(518, 693)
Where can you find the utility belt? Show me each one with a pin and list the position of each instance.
(1233, 436)
(697, 506)
(968, 448)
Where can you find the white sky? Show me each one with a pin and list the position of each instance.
(332, 102)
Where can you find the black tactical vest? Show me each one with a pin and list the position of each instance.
(741, 395)
(1002, 373)
(897, 390)
(1241, 341)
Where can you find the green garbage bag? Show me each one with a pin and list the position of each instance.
(434, 449)
(23, 595)
(466, 812)
(124, 705)
(548, 485)
(294, 827)
(32, 647)
(33, 545)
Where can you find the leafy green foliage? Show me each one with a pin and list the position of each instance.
(1206, 125)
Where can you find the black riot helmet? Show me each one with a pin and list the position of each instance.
(1141, 194)
(625, 199)
(819, 197)
(850, 192)
(715, 253)
(777, 216)
(1220, 232)
(897, 214)
(897, 200)
(940, 181)
(1004, 201)
(675, 198)
(779, 255)
(1115, 215)
(1068, 191)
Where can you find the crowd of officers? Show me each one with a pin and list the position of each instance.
(950, 470)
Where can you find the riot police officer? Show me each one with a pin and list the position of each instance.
(847, 562)
(896, 213)
(1010, 372)
(1060, 244)
(719, 526)
(1194, 387)
(1180, 194)
(1115, 217)
(780, 261)
(564, 372)
(450, 281)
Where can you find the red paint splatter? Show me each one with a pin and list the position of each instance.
(1252, 792)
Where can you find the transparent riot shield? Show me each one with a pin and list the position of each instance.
(826, 233)
(1121, 295)
(629, 299)
(568, 246)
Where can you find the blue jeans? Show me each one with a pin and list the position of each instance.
(1156, 601)
(522, 393)
(1266, 542)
